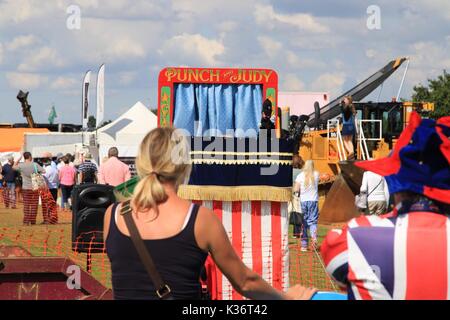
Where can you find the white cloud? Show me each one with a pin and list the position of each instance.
(41, 58)
(195, 48)
(21, 42)
(127, 77)
(229, 8)
(295, 61)
(25, 81)
(339, 64)
(291, 82)
(126, 48)
(424, 52)
(312, 46)
(19, 11)
(434, 7)
(329, 82)
(64, 83)
(228, 26)
(113, 41)
(428, 60)
(370, 53)
(265, 15)
(271, 46)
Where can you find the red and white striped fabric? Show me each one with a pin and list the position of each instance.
(258, 231)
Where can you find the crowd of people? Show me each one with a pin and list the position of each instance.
(60, 173)
(383, 254)
(373, 257)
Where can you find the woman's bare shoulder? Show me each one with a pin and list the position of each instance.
(207, 216)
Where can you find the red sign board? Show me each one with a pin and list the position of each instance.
(168, 77)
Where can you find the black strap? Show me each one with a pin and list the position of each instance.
(163, 291)
(375, 187)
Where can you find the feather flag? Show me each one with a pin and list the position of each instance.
(85, 101)
(52, 115)
(100, 95)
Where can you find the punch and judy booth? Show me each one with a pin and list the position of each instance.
(240, 172)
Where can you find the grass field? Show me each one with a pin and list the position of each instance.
(306, 268)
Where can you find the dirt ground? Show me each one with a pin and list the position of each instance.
(55, 240)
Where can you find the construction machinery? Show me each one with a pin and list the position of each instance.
(26, 111)
(378, 126)
(26, 108)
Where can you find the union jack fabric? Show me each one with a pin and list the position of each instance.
(396, 256)
(258, 231)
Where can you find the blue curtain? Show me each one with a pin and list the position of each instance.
(217, 108)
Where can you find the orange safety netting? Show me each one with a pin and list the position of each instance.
(55, 242)
(308, 269)
(305, 268)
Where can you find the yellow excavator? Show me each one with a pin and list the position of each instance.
(378, 125)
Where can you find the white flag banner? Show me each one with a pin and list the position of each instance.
(100, 95)
(85, 102)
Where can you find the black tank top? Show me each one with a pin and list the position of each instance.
(178, 259)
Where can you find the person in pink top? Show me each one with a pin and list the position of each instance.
(67, 175)
(113, 172)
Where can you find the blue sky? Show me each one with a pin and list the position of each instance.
(314, 45)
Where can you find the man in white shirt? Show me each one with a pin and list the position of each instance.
(377, 193)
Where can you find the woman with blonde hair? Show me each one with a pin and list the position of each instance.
(307, 184)
(178, 234)
(348, 125)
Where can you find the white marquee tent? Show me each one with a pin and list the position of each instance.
(126, 132)
(57, 142)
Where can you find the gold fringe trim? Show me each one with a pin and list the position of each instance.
(285, 154)
(240, 193)
(249, 161)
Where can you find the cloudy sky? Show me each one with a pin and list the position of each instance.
(314, 45)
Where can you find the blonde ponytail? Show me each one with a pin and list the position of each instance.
(308, 170)
(156, 165)
(149, 192)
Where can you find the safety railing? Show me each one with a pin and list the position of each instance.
(334, 134)
(362, 139)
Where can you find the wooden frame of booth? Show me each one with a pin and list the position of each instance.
(26, 277)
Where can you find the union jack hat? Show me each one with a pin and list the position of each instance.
(420, 161)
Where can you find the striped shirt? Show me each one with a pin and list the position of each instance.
(402, 255)
(89, 171)
(87, 166)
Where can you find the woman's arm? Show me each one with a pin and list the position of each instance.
(16, 163)
(211, 235)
